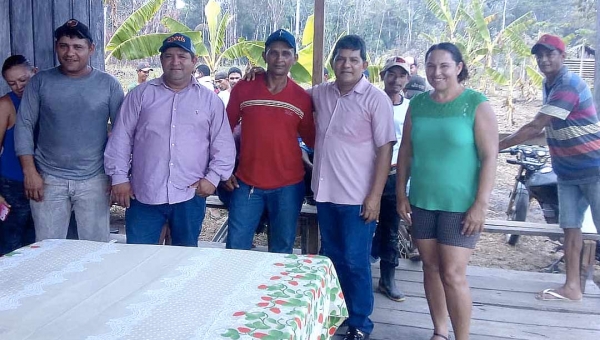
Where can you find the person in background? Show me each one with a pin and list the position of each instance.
(353, 151)
(68, 108)
(178, 146)
(450, 130)
(416, 83)
(307, 158)
(143, 71)
(394, 75)
(234, 75)
(202, 75)
(223, 86)
(570, 119)
(17, 229)
(367, 74)
(273, 111)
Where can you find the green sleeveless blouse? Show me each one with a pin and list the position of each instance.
(445, 164)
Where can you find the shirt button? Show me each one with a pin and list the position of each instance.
(171, 164)
(321, 178)
(173, 126)
(173, 144)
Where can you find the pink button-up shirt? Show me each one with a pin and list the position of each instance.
(350, 129)
(173, 139)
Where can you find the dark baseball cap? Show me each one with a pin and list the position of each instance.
(178, 40)
(415, 85)
(220, 75)
(73, 27)
(281, 35)
(144, 66)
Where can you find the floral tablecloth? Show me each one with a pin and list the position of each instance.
(65, 289)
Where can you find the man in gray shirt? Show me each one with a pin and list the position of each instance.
(60, 135)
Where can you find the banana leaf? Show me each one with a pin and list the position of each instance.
(133, 24)
(145, 46)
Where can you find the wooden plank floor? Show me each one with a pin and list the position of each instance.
(504, 307)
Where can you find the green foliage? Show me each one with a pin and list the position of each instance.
(128, 44)
(496, 76)
(133, 24)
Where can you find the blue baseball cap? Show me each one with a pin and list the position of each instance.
(281, 35)
(178, 40)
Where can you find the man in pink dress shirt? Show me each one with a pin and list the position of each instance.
(353, 151)
(174, 136)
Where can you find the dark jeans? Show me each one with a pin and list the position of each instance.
(17, 230)
(346, 239)
(144, 222)
(385, 242)
(246, 207)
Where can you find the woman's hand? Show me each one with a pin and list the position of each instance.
(474, 219)
(404, 210)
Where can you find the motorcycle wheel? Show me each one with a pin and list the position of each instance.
(519, 213)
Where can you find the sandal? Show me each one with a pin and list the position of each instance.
(439, 336)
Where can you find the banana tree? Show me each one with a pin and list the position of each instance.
(217, 23)
(442, 11)
(301, 71)
(127, 44)
(489, 45)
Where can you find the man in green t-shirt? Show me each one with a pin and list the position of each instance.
(143, 71)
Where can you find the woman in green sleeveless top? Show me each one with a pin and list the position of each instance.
(449, 149)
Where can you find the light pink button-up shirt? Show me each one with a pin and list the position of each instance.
(350, 129)
(173, 140)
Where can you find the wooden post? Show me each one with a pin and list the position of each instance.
(597, 60)
(310, 229)
(317, 71)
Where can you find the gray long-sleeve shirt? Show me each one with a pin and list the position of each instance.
(72, 114)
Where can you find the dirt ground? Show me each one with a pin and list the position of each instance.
(530, 254)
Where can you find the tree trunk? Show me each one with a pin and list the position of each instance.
(297, 19)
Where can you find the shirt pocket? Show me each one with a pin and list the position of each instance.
(194, 124)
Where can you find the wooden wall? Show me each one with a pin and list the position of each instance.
(27, 27)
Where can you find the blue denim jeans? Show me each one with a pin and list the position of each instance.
(144, 222)
(17, 230)
(346, 239)
(246, 207)
(385, 242)
(574, 198)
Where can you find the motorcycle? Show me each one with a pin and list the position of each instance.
(535, 180)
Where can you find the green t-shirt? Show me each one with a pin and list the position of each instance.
(445, 164)
(132, 86)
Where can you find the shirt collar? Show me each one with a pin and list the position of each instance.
(360, 87)
(563, 70)
(160, 82)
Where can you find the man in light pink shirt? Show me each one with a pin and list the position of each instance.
(354, 138)
(174, 135)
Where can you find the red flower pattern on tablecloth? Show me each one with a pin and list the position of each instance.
(285, 310)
